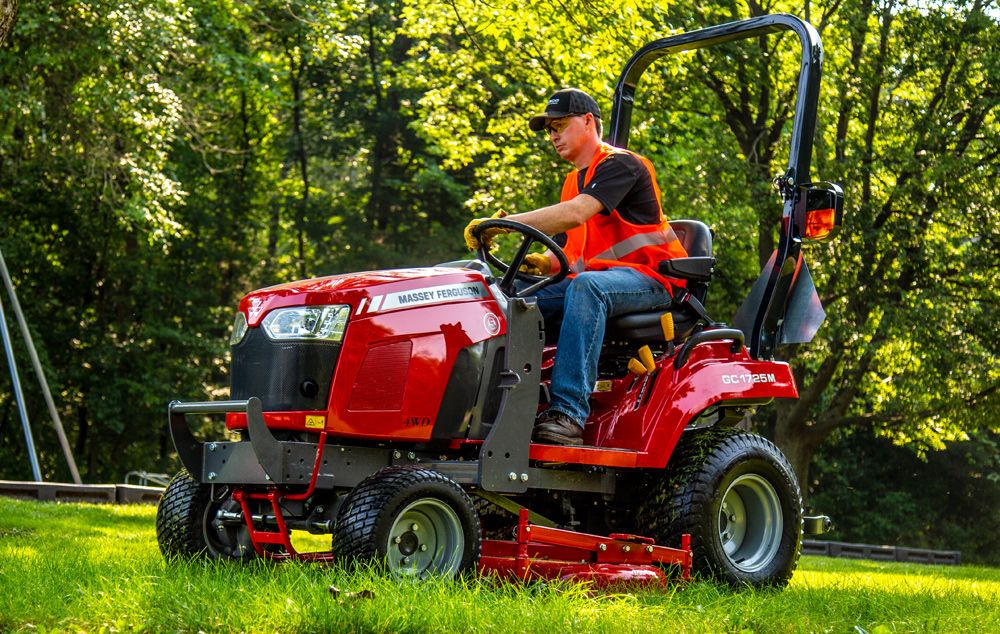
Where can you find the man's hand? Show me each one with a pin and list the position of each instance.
(486, 237)
(536, 264)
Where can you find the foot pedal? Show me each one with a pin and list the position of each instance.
(816, 524)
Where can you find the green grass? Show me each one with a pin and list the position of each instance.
(68, 567)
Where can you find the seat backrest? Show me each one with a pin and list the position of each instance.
(697, 240)
(694, 235)
(644, 327)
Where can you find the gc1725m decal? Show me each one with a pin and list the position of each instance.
(746, 379)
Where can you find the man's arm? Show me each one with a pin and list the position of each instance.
(556, 219)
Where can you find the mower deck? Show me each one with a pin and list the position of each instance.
(540, 552)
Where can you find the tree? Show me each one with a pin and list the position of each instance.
(159, 159)
(881, 493)
(910, 349)
(88, 120)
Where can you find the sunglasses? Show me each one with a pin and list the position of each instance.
(556, 126)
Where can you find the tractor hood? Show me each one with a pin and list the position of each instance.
(371, 292)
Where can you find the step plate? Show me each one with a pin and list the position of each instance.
(598, 456)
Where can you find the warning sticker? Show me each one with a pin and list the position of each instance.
(315, 422)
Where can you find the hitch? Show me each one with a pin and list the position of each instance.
(816, 524)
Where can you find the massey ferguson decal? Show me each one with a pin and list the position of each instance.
(746, 379)
(422, 297)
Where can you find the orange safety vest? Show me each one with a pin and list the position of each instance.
(609, 240)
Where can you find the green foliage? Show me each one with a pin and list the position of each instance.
(911, 131)
(90, 120)
(879, 493)
(77, 567)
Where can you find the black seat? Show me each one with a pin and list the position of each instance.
(696, 270)
(696, 238)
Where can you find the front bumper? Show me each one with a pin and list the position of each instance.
(262, 459)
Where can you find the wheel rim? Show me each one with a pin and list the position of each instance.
(426, 539)
(225, 540)
(750, 523)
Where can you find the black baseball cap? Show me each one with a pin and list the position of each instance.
(565, 103)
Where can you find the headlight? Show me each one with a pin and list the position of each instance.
(312, 323)
(239, 329)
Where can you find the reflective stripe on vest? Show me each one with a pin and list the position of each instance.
(628, 245)
(607, 241)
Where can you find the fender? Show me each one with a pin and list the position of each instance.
(645, 416)
(706, 380)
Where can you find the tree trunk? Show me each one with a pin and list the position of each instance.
(274, 221)
(8, 14)
(296, 69)
(383, 146)
(762, 199)
(798, 442)
(80, 446)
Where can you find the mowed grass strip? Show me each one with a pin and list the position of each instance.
(70, 567)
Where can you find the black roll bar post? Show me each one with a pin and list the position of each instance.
(762, 335)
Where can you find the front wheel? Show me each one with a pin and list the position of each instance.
(419, 522)
(737, 496)
(187, 525)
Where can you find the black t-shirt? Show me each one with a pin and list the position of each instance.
(622, 182)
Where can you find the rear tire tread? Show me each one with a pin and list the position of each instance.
(677, 503)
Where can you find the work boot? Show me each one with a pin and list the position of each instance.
(556, 428)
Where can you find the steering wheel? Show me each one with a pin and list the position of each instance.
(512, 269)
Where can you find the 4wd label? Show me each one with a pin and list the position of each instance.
(417, 421)
(747, 379)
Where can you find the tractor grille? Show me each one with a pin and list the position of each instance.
(381, 381)
(286, 376)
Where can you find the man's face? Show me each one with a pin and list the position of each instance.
(569, 134)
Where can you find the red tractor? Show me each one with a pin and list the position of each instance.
(394, 409)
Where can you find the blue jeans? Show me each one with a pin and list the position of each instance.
(585, 303)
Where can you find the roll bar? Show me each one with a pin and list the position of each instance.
(804, 125)
(763, 313)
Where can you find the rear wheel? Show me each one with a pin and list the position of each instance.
(419, 522)
(186, 523)
(737, 496)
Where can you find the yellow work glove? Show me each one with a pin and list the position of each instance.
(487, 236)
(536, 264)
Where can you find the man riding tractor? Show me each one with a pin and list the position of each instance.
(612, 229)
